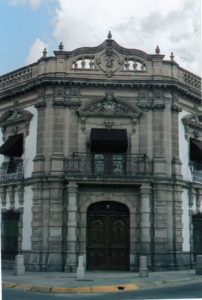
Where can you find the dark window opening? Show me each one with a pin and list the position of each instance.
(108, 147)
(196, 151)
(13, 146)
(108, 140)
(10, 223)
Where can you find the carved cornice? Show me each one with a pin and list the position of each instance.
(40, 82)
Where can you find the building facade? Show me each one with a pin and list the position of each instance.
(101, 155)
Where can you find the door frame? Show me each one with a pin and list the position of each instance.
(107, 211)
(18, 211)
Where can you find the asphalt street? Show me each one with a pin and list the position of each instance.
(178, 292)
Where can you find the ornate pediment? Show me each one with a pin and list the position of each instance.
(15, 116)
(109, 106)
(193, 120)
(193, 125)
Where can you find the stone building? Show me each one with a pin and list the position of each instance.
(101, 155)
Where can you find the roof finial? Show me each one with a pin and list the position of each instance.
(61, 47)
(44, 52)
(157, 50)
(172, 56)
(109, 35)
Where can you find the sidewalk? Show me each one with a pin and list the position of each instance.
(95, 281)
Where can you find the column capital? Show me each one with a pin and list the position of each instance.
(72, 186)
(145, 188)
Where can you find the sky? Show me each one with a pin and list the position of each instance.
(29, 26)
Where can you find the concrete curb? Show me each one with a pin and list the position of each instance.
(99, 289)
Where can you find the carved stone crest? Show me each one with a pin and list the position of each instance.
(109, 61)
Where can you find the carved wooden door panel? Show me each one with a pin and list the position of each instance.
(108, 237)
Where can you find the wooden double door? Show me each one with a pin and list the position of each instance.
(197, 221)
(108, 236)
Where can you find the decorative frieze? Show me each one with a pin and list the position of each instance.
(41, 104)
(60, 103)
(74, 104)
(151, 106)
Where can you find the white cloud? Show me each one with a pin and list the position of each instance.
(36, 51)
(33, 3)
(174, 25)
(16, 2)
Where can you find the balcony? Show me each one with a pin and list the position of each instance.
(108, 165)
(196, 171)
(11, 170)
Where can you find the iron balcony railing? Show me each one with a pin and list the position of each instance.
(196, 171)
(108, 165)
(12, 170)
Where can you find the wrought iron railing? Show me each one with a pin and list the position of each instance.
(11, 170)
(108, 165)
(196, 171)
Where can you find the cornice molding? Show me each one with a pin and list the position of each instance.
(78, 82)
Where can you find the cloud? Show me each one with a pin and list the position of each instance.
(33, 3)
(36, 51)
(174, 25)
(16, 2)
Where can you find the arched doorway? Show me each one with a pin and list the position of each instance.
(108, 243)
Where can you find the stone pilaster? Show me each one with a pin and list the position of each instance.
(163, 226)
(72, 227)
(198, 201)
(55, 259)
(37, 214)
(192, 194)
(159, 151)
(40, 230)
(145, 220)
(177, 225)
(176, 164)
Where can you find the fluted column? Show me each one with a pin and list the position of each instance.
(72, 227)
(145, 222)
